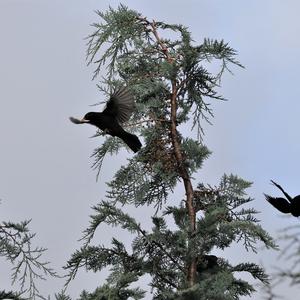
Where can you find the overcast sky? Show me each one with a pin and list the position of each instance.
(45, 172)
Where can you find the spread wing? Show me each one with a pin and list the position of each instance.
(120, 105)
(280, 203)
(282, 190)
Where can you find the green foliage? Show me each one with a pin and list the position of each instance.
(224, 221)
(16, 247)
(132, 51)
(120, 31)
(172, 87)
(140, 184)
(10, 295)
(221, 285)
(291, 253)
(110, 146)
(155, 252)
(195, 154)
(62, 296)
(112, 293)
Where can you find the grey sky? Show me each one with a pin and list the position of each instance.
(44, 163)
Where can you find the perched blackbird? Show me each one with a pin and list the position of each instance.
(207, 262)
(288, 205)
(118, 110)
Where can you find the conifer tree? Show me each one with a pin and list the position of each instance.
(168, 75)
(291, 253)
(28, 267)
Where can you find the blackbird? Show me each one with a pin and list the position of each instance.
(288, 205)
(118, 110)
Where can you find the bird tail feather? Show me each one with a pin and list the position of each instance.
(131, 140)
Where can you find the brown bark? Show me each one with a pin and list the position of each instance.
(185, 177)
(191, 268)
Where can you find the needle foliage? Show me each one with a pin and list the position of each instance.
(28, 267)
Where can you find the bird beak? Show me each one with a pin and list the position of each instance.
(83, 120)
(77, 121)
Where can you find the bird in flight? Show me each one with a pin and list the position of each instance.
(118, 110)
(285, 205)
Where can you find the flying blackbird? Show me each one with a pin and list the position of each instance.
(288, 205)
(118, 110)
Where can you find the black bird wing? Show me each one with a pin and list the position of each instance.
(282, 190)
(279, 203)
(120, 105)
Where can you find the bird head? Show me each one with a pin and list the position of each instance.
(91, 118)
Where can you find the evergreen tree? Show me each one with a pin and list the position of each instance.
(16, 247)
(168, 75)
(291, 253)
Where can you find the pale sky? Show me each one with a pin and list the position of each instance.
(45, 172)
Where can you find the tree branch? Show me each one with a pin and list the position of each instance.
(177, 150)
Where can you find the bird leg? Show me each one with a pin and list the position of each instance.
(282, 190)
